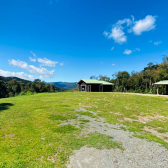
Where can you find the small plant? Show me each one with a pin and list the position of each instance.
(22, 94)
(29, 93)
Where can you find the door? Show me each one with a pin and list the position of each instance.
(83, 88)
(89, 88)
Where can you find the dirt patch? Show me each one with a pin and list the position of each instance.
(11, 135)
(144, 119)
(162, 136)
(120, 120)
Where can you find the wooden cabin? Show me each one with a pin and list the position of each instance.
(92, 85)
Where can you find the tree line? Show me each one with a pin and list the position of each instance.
(14, 88)
(139, 82)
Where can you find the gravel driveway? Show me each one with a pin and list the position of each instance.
(137, 153)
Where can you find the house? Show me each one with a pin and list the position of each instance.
(92, 85)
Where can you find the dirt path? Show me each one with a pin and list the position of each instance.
(144, 94)
(137, 153)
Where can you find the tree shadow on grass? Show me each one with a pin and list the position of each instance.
(5, 106)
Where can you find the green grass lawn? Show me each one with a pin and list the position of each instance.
(31, 134)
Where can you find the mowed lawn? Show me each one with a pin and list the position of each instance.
(31, 133)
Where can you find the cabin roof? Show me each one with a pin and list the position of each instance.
(94, 81)
(163, 82)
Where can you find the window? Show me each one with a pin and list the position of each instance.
(83, 88)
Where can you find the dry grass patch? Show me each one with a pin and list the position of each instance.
(143, 119)
(163, 136)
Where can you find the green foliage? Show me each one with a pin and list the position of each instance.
(13, 87)
(22, 94)
(29, 93)
(139, 82)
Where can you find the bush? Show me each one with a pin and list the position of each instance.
(138, 91)
(131, 91)
(29, 93)
(120, 89)
(146, 90)
(154, 90)
(115, 90)
(149, 93)
(11, 94)
(21, 94)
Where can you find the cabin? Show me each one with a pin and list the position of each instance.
(92, 85)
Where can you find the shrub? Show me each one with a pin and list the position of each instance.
(146, 90)
(154, 90)
(120, 89)
(11, 94)
(22, 94)
(29, 93)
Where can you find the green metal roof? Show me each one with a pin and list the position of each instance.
(164, 82)
(94, 81)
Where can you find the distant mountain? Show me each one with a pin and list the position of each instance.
(6, 79)
(65, 85)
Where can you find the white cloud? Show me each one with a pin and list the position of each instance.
(157, 42)
(32, 59)
(61, 64)
(143, 25)
(33, 54)
(127, 21)
(16, 74)
(105, 33)
(112, 48)
(46, 62)
(117, 32)
(150, 41)
(32, 69)
(118, 35)
(127, 52)
(113, 64)
(137, 49)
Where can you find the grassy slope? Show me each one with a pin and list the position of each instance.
(30, 134)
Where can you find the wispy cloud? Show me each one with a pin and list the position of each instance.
(33, 53)
(113, 64)
(32, 69)
(137, 49)
(150, 41)
(144, 25)
(112, 48)
(17, 74)
(127, 52)
(117, 35)
(61, 64)
(157, 42)
(32, 59)
(47, 62)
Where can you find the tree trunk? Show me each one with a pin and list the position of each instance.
(150, 85)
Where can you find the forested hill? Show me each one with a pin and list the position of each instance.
(7, 79)
(65, 85)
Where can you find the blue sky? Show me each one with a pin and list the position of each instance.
(66, 40)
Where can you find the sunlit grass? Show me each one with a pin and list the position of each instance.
(31, 134)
